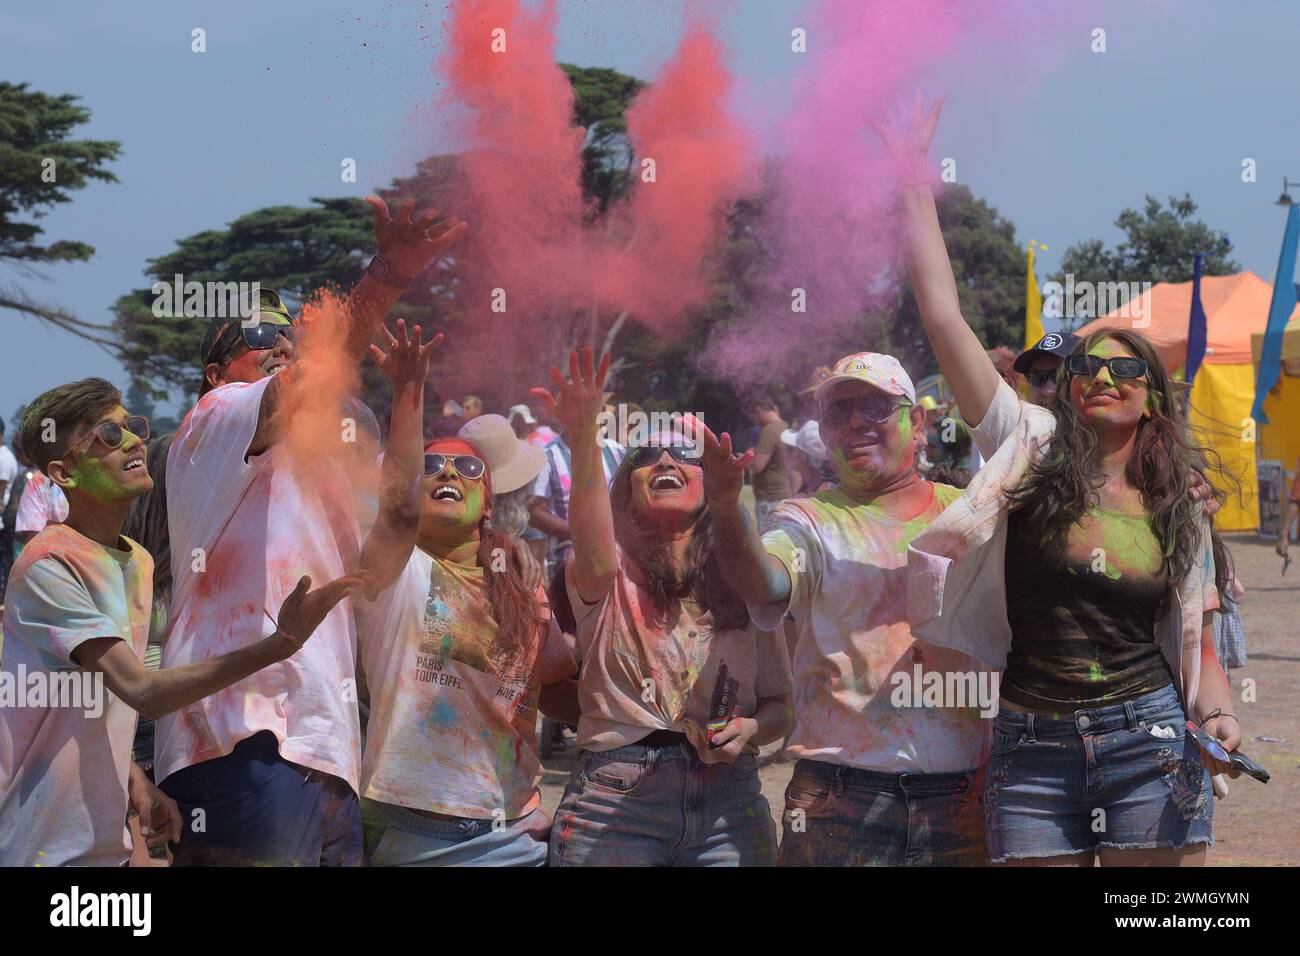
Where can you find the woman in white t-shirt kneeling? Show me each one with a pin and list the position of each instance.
(677, 688)
(455, 656)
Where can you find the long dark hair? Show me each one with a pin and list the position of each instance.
(514, 606)
(146, 518)
(1063, 482)
(699, 578)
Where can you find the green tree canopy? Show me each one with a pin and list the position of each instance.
(1160, 245)
(40, 166)
(292, 249)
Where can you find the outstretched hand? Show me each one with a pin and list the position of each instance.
(582, 397)
(304, 609)
(407, 358)
(907, 138)
(409, 243)
(724, 471)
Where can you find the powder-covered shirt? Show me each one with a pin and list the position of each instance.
(644, 671)
(957, 591)
(1083, 621)
(65, 743)
(857, 698)
(453, 711)
(242, 533)
(42, 502)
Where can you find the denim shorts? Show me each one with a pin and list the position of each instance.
(844, 816)
(1125, 776)
(661, 806)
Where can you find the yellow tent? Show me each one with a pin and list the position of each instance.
(1236, 307)
(1279, 440)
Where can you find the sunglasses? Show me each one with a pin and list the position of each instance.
(113, 435)
(649, 454)
(874, 408)
(1090, 365)
(1040, 378)
(258, 338)
(467, 466)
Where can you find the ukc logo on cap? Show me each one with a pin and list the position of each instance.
(1050, 341)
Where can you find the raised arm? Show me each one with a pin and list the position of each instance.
(755, 576)
(591, 522)
(407, 245)
(155, 693)
(390, 542)
(962, 358)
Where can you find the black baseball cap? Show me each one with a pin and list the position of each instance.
(1059, 344)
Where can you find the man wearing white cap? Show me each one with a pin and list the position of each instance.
(883, 777)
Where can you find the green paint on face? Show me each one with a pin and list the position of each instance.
(93, 478)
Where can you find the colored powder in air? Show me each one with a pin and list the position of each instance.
(534, 242)
(830, 221)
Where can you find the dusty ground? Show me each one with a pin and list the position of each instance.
(1256, 824)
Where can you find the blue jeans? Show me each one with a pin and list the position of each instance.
(660, 806)
(843, 816)
(396, 836)
(258, 809)
(1125, 776)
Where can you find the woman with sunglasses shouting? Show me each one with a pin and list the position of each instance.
(456, 655)
(1080, 564)
(677, 689)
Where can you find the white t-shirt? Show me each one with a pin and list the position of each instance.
(848, 571)
(453, 715)
(42, 502)
(64, 769)
(8, 472)
(261, 524)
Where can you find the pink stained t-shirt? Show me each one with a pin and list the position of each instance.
(242, 534)
(65, 739)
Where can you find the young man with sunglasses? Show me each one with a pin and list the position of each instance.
(275, 761)
(876, 782)
(77, 617)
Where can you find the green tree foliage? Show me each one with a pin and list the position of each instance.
(601, 99)
(1160, 245)
(295, 250)
(40, 166)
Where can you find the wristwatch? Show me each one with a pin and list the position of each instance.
(379, 271)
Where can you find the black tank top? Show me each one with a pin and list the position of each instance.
(1083, 622)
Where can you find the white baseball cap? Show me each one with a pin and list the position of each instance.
(524, 412)
(879, 371)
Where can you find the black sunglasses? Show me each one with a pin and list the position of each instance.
(1040, 378)
(467, 466)
(649, 454)
(258, 338)
(112, 434)
(1090, 365)
(1236, 760)
(874, 408)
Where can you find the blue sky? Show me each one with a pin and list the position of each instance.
(1185, 91)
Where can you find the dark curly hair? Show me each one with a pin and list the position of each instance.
(1063, 482)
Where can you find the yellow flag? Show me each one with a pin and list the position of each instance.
(1033, 302)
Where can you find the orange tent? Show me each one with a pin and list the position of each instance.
(1236, 307)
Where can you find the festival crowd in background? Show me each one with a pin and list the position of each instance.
(343, 657)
